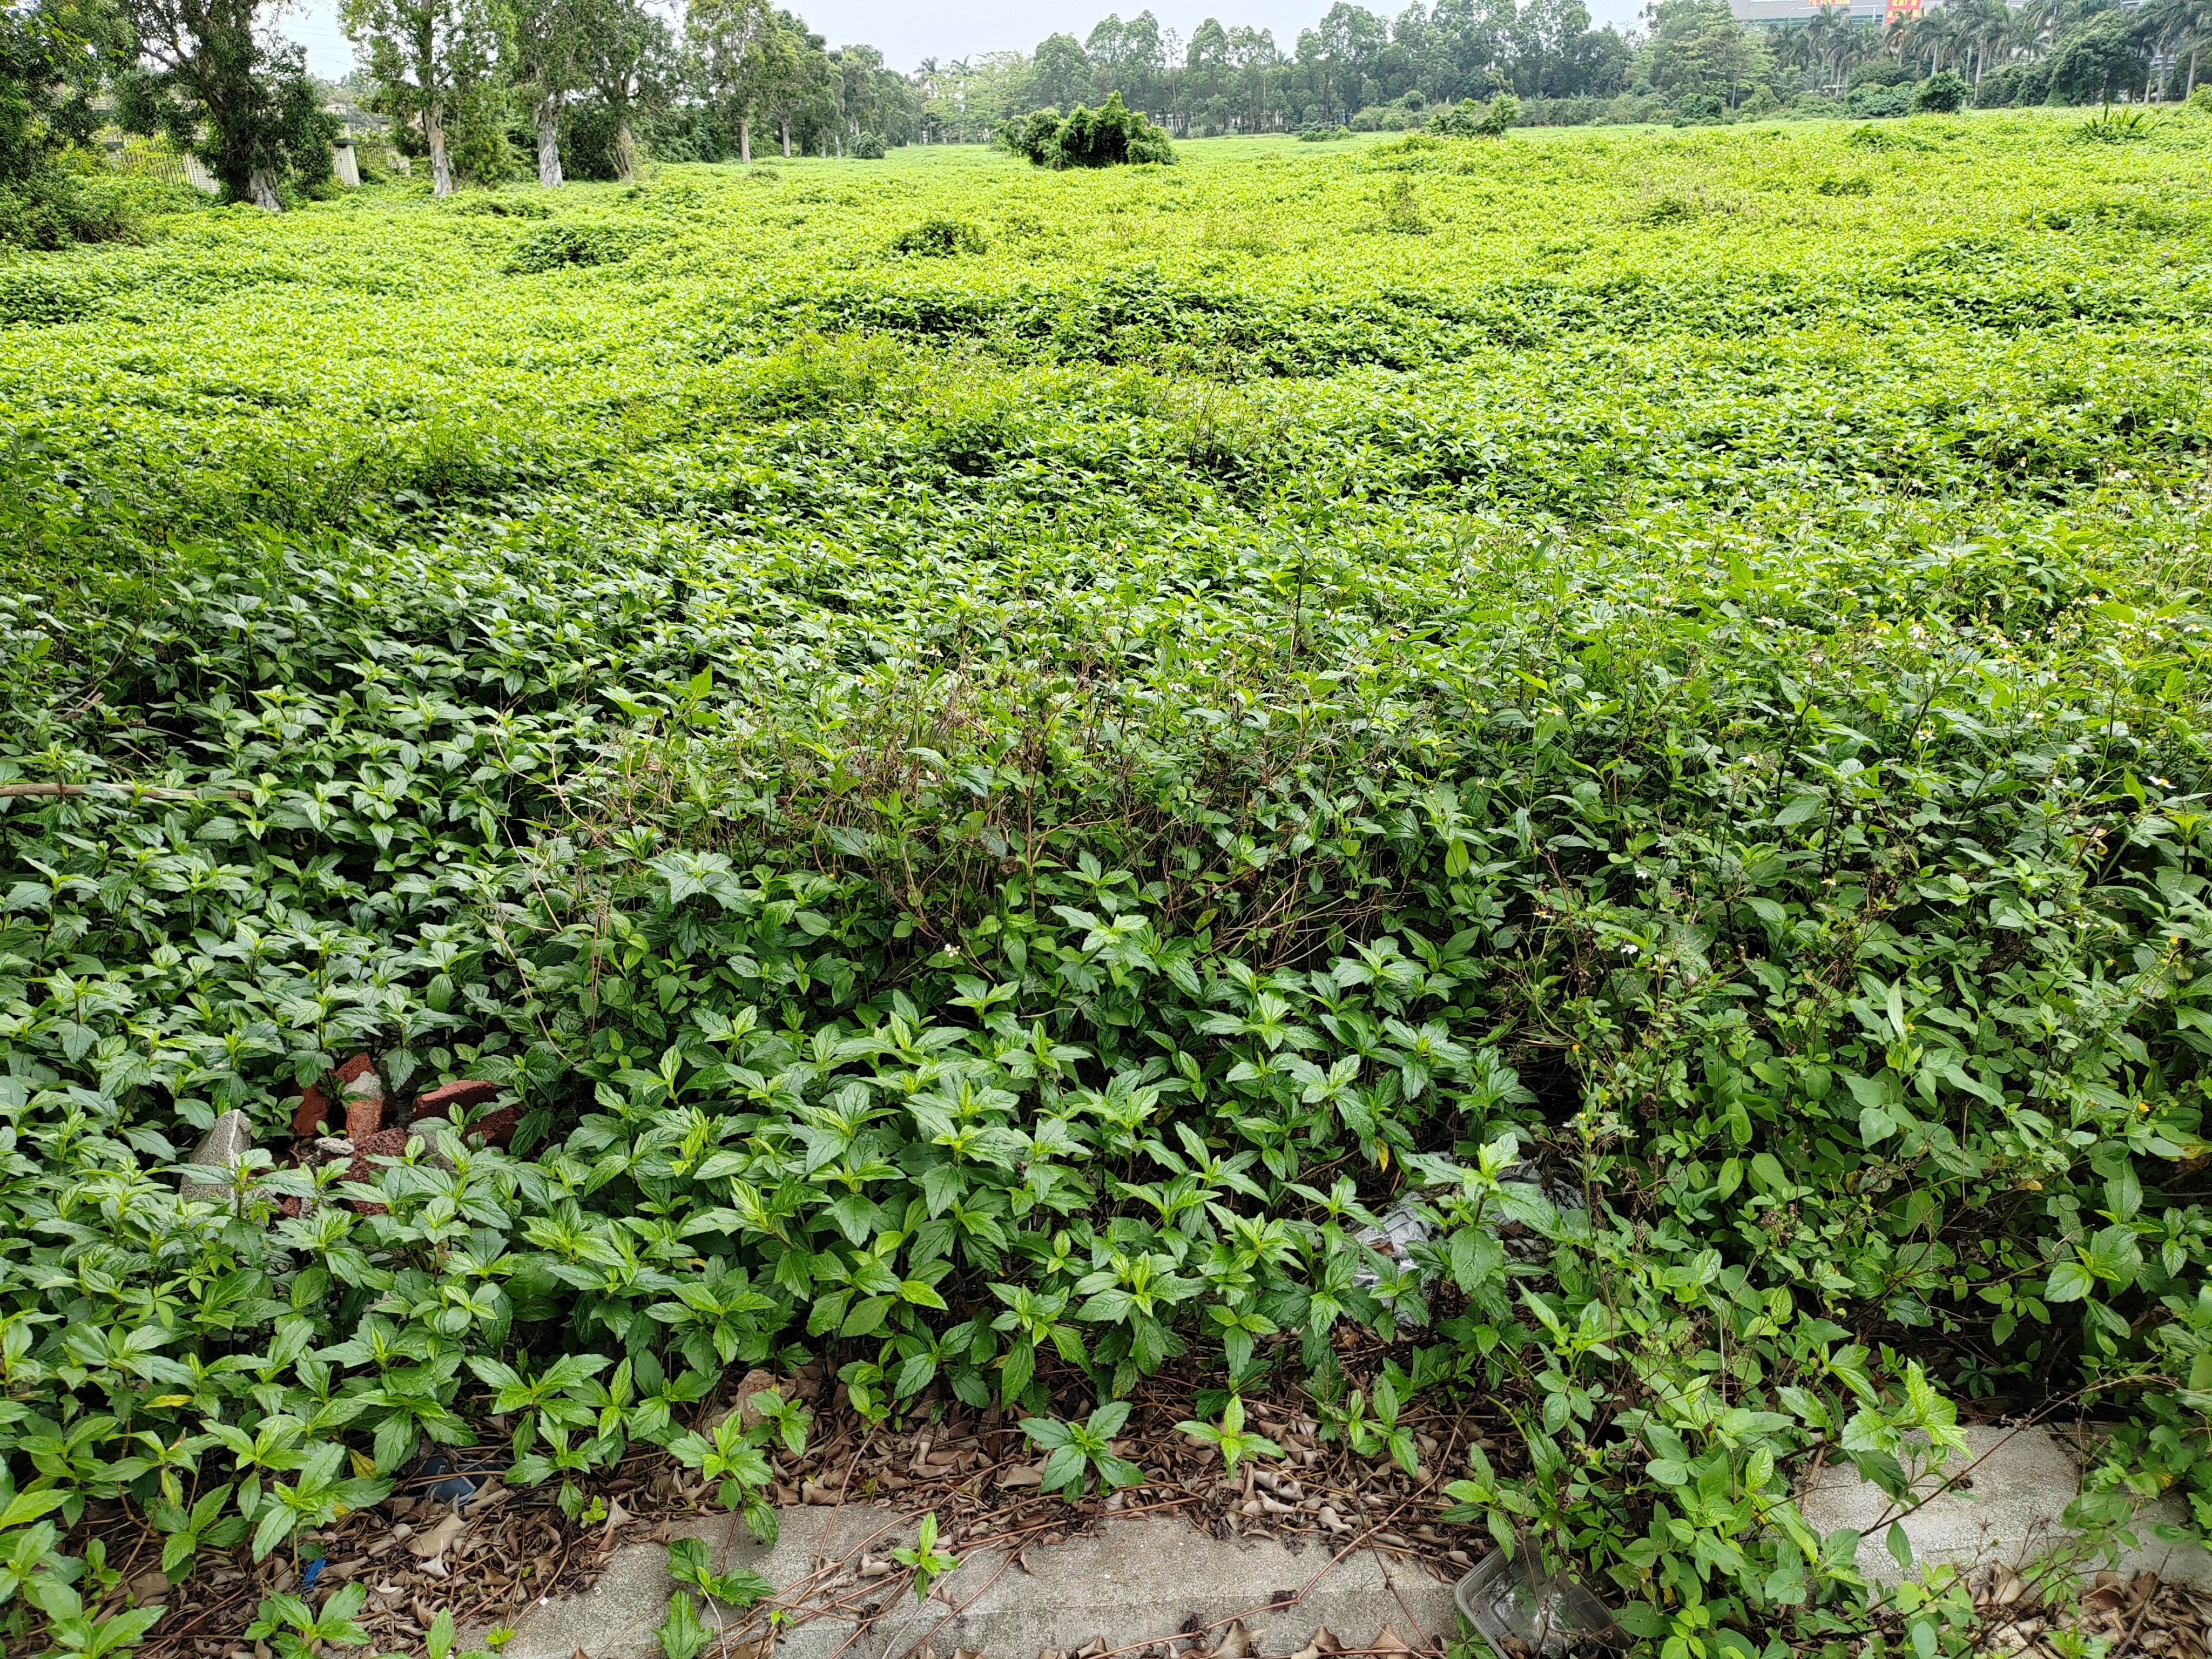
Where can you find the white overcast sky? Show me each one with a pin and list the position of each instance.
(908, 34)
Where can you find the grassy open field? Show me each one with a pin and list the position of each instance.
(996, 760)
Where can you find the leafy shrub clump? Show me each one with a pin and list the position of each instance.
(43, 295)
(1401, 210)
(1885, 138)
(1944, 93)
(2116, 126)
(1879, 103)
(558, 246)
(1469, 119)
(497, 205)
(866, 147)
(1110, 136)
(53, 210)
(941, 239)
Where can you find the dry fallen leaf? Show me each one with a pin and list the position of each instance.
(431, 1543)
(1091, 1649)
(755, 1380)
(616, 1516)
(1326, 1642)
(487, 1497)
(1236, 1643)
(1022, 1475)
(1390, 1642)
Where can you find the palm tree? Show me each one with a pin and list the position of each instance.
(1824, 36)
(2185, 21)
(1994, 30)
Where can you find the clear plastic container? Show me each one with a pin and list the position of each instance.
(1523, 1616)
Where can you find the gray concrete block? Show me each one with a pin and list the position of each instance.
(228, 1139)
(2020, 1482)
(1140, 1578)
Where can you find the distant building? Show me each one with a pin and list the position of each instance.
(1778, 13)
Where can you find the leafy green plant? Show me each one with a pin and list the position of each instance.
(440, 1640)
(733, 1459)
(295, 1631)
(691, 1562)
(1076, 1451)
(1373, 1432)
(1229, 1437)
(2116, 126)
(926, 1560)
(682, 1634)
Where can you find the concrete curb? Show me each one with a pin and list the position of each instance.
(2018, 1483)
(1150, 1578)
(1141, 1578)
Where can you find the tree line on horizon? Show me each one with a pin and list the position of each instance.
(483, 89)
(1361, 69)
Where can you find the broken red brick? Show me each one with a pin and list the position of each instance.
(364, 1106)
(314, 1107)
(442, 1101)
(498, 1129)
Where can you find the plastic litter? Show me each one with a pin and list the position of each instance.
(1402, 1226)
(311, 1572)
(455, 1478)
(1523, 1616)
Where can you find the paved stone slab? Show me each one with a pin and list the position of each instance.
(2021, 1481)
(1141, 1578)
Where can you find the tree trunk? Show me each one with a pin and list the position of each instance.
(261, 185)
(786, 141)
(2192, 93)
(547, 114)
(625, 150)
(745, 140)
(441, 168)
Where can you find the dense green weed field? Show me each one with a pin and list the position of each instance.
(997, 759)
